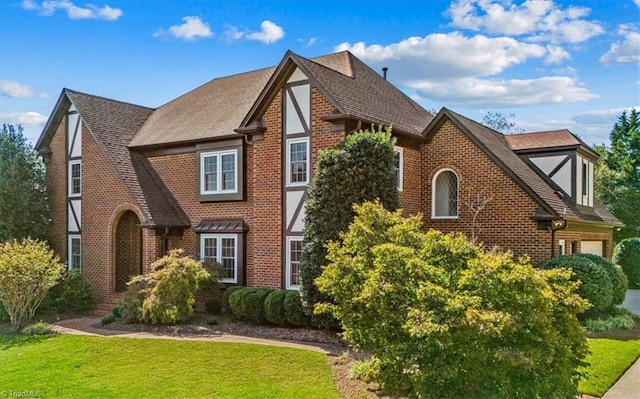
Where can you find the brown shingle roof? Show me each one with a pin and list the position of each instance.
(496, 146)
(113, 124)
(366, 95)
(540, 140)
(209, 111)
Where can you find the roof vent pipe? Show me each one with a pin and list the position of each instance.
(384, 72)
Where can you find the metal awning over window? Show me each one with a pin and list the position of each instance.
(221, 226)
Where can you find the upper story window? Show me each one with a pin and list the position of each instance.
(297, 162)
(584, 181)
(75, 178)
(445, 194)
(220, 174)
(222, 249)
(399, 161)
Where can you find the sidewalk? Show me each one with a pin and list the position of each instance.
(628, 386)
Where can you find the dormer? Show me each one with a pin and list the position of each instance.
(560, 158)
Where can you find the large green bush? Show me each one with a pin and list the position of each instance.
(73, 294)
(28, 269)
(225, 298)
(445, 319)
(619, 281)
(627, 255)
(595, 283)
(360, 168)
(293, 311)
(247, 304)
(167, 293)
(274, 307)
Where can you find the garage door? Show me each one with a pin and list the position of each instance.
(591, 247)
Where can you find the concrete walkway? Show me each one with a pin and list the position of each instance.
(628, 386)
(84, 326)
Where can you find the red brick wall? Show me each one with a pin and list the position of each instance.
(411, 195)
(506, 221)
(577, 232)
(57, 186)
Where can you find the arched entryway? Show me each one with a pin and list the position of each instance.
(128, 249)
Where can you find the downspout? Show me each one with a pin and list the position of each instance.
(164, 241)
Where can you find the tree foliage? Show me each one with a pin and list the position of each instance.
(28, 268)
(627, 255)
(617, 183)
(444, 319)
(501, 122)
(24, 209)
(166, 295)
(359, 169)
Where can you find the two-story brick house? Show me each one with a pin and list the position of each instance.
(222, 172)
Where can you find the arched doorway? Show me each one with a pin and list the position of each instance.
(128, 249)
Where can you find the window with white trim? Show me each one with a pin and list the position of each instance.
(445, 193)
(294, 256)
(297, 162)
(75, 178)
(399, 161)
(222, 249)
(219, 172)
(74, 260)
(562, 248)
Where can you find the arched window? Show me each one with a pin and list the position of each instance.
(445, 195)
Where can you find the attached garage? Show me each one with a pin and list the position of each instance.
(592, 247)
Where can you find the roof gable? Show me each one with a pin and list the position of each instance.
(547, 140)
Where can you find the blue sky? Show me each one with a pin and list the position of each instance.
(554, 64)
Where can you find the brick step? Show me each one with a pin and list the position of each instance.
(103, 308)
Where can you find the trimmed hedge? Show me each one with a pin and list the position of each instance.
(247, 304)
(595, 284)
(225, 298)
(619, 282)
(293, 309)
(627, 255)
(274, 307)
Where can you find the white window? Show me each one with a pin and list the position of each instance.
(297, 162)
(399, 167)
(562, 248)
(294, 256)
(222, 249)
(75, 252)
(219, 172)
(445, 190)
(75, 178)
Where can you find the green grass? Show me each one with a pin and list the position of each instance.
(68, 366)
(609, 359)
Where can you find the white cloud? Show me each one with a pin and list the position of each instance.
(13, 89)
(450, 55)
(88, 11)
(309, 42)
(539, 20)
(496, 93)
(625, 52)
(556, 55)
(193, 27)
(637, 3)
(23, 118)
(268, 34)
(602, 116)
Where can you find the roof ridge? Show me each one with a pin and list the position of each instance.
(67, 90)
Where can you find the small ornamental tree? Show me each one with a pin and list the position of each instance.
(444, 319)
(28, 268)
(361, 168)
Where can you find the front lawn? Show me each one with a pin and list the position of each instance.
(86, 366)
(609, 359)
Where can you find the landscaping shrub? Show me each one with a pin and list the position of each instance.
(247, 304)
(211, 321)
(28, 269)
(274, 307)
(595, 284)
(444, 319)
(172, 282)
(73, 294)
(619, 281)
(619, 321)
(108, 319)
(225, 298)
(131, 301)
(627, 255)
(294, 313)
(213, 307)
(117, 311)
(39, 328)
